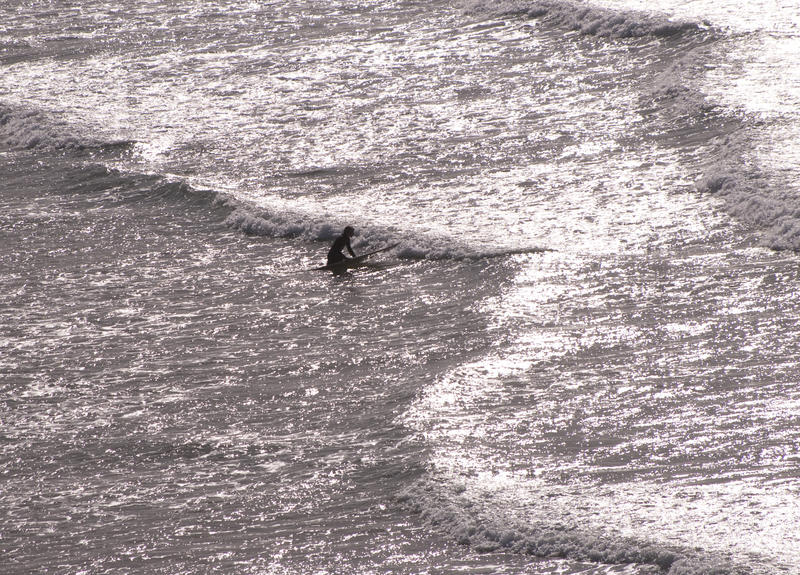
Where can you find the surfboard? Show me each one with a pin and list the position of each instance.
(353, 262)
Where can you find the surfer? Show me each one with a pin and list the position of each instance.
(336, 255)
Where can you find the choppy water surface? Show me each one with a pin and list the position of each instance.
(580, 358)
(276, 419)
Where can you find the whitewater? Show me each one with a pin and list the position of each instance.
(580, 357)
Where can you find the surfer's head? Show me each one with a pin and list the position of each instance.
(349, 231)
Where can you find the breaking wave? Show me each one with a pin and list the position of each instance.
(754, 195)
(470, 521)
(590, 20)
(295, 222)
(724, 140)
(29, 129)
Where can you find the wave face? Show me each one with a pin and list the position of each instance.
(580, 355)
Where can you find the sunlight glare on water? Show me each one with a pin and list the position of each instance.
(575, 350)
(664, 446)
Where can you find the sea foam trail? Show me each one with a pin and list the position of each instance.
(590, 20)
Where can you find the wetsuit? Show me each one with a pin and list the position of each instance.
(335, 254)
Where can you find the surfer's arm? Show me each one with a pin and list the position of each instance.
(350, 249)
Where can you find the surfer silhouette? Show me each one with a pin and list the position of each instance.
(336, 253)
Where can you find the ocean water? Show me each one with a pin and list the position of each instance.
(581, 356)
